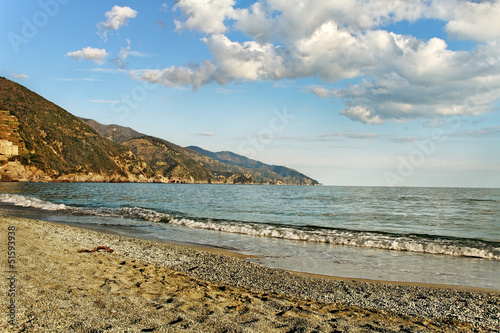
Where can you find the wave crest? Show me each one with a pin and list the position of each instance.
(409, 243)
(25, 201)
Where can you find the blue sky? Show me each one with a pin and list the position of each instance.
(349, 93)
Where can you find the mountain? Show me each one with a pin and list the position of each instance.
(57, 146)
(40, 141)
(260, 171)
(194, 164)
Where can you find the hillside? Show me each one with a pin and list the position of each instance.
(59, 147)
(260, 171)
(117, 134)
(40, 141)
(194, 164)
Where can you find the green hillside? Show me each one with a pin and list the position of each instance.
(50, 144)
(194, 164)
(58, 143)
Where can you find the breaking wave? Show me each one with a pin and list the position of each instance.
(25, 201)
(411, 243)
(416, 243)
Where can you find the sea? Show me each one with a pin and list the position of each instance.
(425, 235)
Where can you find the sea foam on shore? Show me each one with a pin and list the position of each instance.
(143, 272)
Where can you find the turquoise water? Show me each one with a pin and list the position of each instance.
(437, 235)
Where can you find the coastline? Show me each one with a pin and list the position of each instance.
(235, 254)
(210, 289)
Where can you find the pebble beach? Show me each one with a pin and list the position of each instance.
(146, 286)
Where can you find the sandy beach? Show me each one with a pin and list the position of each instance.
(145, 286)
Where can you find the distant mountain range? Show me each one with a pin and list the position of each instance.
(54, 145)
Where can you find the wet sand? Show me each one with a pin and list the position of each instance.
(145, 286)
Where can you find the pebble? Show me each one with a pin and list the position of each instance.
(482, 310)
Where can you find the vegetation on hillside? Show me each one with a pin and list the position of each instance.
(58, 146)
(59, 143)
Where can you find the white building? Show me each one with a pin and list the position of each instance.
(8, 149)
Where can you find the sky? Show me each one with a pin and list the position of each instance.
(357, 93)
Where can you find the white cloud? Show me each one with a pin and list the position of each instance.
(89, 53)
(205, 134)
(248, 60)
(403, 77)
(178, 76)
(425, 79)
(321, 92)
(205, 15)
(332, 53)
(362, 114)
(116, 18)
(170, 77)
(479, 21)
(255, 22)
(20, 76)
(299, 19)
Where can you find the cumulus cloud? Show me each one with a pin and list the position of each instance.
(290, 21)
(116, 18)
(398, 77)
(89, 53)
(477, 21)
(425, 79)
(332, 53)
(249, 60)
(205, 15)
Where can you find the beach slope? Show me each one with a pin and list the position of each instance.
(144, 286)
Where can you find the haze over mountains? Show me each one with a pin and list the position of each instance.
(54, 145)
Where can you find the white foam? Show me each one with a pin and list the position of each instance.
(125, 212)
(25, 201)
(359, 239)
(329, 236)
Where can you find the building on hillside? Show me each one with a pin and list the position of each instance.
(8, 149)
(9, 132)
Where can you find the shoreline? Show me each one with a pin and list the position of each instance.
(235, 254)
(152, 286)
(33, 213)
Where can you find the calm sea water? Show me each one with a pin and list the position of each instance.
(435, 235)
